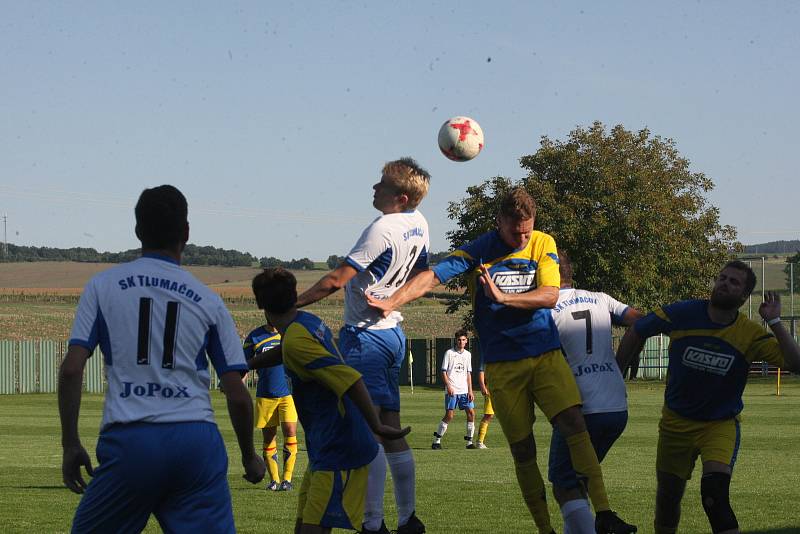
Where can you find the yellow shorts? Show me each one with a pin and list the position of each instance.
(546, 380)
(487, 405)
(333, 499)
(681, 441)
(273, 411)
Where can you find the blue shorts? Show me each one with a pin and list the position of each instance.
(377, 355)
(460, 401)
(604, 429)
(176, 471)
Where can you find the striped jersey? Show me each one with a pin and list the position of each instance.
(384, 255)
(708, 362)
(272, 382)
(337, 436)
(157, 327)
(507, 333)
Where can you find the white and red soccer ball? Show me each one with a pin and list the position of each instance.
(460, 138)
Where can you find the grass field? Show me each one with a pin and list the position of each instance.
(459, 491)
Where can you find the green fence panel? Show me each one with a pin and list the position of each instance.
(48, 365)
(94, 372)
(440, 346)
(418, 369)
(474, 347)
(28, 382)
(653, 360)
(8, 367)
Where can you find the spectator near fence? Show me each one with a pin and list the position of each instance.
(457, 378)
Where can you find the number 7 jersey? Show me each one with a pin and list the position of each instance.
(384, 256)
(156, 324)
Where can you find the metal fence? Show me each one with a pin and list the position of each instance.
(31, 366)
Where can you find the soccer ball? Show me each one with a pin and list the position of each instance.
(460, 138)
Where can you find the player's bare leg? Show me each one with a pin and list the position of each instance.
(669, 493)
(572, 426)
(531, 483)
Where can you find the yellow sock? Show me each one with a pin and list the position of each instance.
(483, 428)
(584, 461)
(289, 457)
(271, 458)
(533, 493)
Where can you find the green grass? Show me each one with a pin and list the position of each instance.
(458, 490)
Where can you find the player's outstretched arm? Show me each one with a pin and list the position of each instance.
(268, 358)
(240, 409)
(630, 345)
(330, 283)
(412, 290)
(770, 310)
(70, 381)
(631, 315)
(360, 396)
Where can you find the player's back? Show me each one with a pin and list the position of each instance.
(155, 323)
(384, 256)
(584, 320)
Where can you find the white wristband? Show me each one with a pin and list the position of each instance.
(776, 320)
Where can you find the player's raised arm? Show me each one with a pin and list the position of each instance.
(360, 396)
(770, 311)
(268, 358)
(70, 379)
(541, 297)
(240, 409)
(328, 284)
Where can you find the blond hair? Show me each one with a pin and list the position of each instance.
(409, 179)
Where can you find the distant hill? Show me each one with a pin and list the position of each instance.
(192, 255)
(774, 247)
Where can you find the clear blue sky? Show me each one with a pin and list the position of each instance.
(275, 118)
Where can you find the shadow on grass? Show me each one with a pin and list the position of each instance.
(60, 487)
(786, 530)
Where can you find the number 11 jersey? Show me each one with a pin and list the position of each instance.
(384, 256)
(155, 323)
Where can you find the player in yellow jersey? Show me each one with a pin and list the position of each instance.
(512, 274)
(711, 348)
(488, 409)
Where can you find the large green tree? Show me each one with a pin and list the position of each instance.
(793, 272)
(627, 208)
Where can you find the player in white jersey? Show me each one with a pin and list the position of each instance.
(457, 377)
(159, 449)
(393, 248)
(584, 320)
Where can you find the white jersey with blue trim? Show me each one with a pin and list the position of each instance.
(584, 320)
(384, 256)
(156, 325)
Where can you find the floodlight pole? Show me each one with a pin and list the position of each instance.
(5, 236)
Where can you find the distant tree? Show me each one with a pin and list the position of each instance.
(789, 271)
(267, 263)
(334, 261)
(301, 264)
(624, 204)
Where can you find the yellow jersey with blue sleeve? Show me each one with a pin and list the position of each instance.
(337, 436)
(506, 333)
(708, 362)
(272, 383)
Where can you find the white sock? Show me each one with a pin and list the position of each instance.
(578, 517)
(470, 429)
(404, 478)
(440, 432)
(376, 483)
